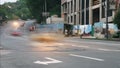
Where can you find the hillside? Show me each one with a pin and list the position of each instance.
(37, 7)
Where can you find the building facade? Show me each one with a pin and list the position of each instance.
(117, 4)
(85, 12)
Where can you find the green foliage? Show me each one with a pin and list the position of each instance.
(2, 11)
(16, 10)
(37, 7)
(117, 19)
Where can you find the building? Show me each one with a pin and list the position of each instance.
(117, 4)
(54, 19)
(84, 12)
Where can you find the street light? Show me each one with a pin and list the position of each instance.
(45, 13)
(107, 10)
(109, 5)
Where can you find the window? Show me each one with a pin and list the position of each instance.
(68, 7)
(87, 3)
(83, 4)
(79, 18)
(75, 5)
(103, 12)
(79, 4)
(71, 19)
(74, 19)
(82, 18)
(110, 13)
(103, 0)
(71, 6)
(87, 17)
(68, 19)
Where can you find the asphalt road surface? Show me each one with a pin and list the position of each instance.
(21, 52)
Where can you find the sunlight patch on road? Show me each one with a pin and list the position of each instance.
(36, 44)
(46, 37)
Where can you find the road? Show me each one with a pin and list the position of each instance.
(21, 52)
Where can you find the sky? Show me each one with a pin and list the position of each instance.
(3, 1)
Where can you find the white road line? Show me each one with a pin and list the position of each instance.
(101, 49)
(108, 50)
(86, 57)
(102, 43)
(81, 46)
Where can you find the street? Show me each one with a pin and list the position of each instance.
(22, 52)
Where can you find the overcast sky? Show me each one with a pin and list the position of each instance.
(3, 1)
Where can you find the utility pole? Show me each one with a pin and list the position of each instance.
(110, 5)
(106, 6)
(45, 13)
(107, 10)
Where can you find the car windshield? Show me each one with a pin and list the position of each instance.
(59, 33)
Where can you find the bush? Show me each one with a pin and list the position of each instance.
(117, 35)
(116, 19)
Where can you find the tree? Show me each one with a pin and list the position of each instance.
(2, 13)
(37, 7)
(117, 18)
(16, 10)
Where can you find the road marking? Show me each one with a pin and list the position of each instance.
(86, 57)
(51, 61)
(81, 46)
(108, 50)
(101, 49)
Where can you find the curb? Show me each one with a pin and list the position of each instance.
(100, 39)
